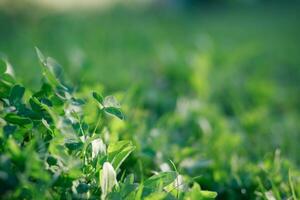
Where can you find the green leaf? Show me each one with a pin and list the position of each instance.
(51, 70)
(127, 190)
(16, 119)
(4, 90)
(118, 146)
(2, 66)
(41, 56)
(13, 147)
(120, 157)
(16, 94)
(114, 111)
(45, 91)
(208, 194)
(54, 67)
(51, 78)
(197, 193)
(118, 152)
(139, 192)
(156, 196)
(36, 105)
(129, 179)
(72, 146)
(82, 188)
(51, 160)
(7, 78)
(98, 97)
(42, 109)
(160, 180)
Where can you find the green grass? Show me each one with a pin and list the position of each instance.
(216, 91)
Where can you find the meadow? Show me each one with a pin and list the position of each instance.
(206, 103)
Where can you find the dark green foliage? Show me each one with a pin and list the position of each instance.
(98, 97)
(114, 111)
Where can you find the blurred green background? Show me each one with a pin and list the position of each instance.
(212, 85)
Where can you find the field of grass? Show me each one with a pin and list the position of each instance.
(214, 92)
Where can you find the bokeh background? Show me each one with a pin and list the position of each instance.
(213, 85)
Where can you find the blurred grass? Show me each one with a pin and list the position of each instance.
(134, 40)
(250, 54)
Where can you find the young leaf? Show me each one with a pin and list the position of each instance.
(54, 67)
(111, 101)
(98, 147)
(98, 97)
(120, 157)
(162, 179)
(53, 81)
(114, 111)
(108, 179)
(118, 152)
(40, 55)
(51, 71)
(118, 146)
